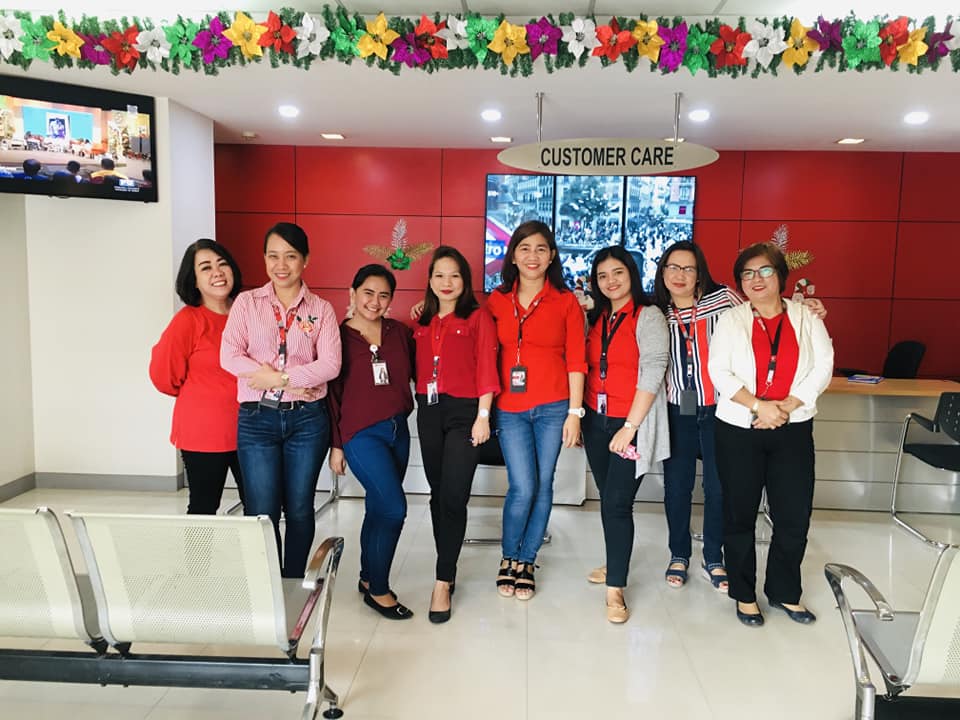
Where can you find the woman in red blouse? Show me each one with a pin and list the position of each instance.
(456, 381)
(185, 363)
(540, 327)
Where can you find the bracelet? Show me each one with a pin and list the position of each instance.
(756, 407)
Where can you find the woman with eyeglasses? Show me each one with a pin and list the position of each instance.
(770, 360)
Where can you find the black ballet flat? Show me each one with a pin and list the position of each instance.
(438, 617)
(363, 590)
(749, 619)
(394, 612)
(804, 617)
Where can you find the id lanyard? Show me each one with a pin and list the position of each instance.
(282, 330)
(689, 337)
(774, 348)
(605, 341)
(436, 345)
(521, 319)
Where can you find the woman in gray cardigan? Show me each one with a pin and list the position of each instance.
(625, 426)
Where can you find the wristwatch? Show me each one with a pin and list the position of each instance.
(579, 412)
(284, 379)
(483, 412)
(629, 425)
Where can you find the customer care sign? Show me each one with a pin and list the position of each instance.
(607, 156)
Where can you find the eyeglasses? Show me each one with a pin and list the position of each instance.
(764, 272)
(685, 269)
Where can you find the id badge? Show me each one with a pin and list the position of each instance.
(518, 379)
(602, 403)
(271, 399)
(688, 402)
(433, 396)
(380, 374)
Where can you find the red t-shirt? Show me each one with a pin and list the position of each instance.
(553, 345)
(185, 363)
(788, 355)
(623, 361)
(467, 348)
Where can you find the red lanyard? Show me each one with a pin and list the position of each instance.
(282, 329)
(689, 339)
(436, 342)
(774, 348)
(522, 319)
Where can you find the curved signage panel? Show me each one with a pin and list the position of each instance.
(607, 156)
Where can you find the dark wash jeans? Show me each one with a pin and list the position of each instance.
(206, 476)
(378, 456)
(690, 436)
(281, 453)
(617, 482)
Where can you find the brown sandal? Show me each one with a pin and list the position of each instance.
(506, 577)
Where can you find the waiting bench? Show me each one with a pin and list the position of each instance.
(185, 579)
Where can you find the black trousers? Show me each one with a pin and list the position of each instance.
(449, 462)
(617, 482)
(781, 461)
(206, 476)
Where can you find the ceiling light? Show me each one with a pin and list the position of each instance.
(331, 136)
(670, 139)
(501, 139)
(849, 141)
(700, 115)
(491, 115)
(917, 117)
(288, 111)
(248, 135)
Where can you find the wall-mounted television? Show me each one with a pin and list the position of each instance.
(72, 141)
(645, 214)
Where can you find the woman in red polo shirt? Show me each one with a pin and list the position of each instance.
(627, 357)
(456, 381)
(542, 366)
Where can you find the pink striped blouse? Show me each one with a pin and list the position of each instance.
(252, 337)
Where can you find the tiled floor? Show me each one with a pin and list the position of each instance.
(681, 655)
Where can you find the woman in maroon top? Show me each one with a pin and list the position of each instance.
(456, 381)
(369, 405)
(185, 363)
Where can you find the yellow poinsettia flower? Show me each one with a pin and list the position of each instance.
(649, 41)
(799, 46)
(68, 42)
(510, 41)
(914, 48)
(377, 38)
(245, 34)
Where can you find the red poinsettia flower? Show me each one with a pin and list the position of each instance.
(426, 34)
(123, 47)
(613, 41)
(892, 36)
(729, 46)
(278, 36)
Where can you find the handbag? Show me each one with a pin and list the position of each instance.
(490, 452)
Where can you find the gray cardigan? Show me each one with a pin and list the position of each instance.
(653, 340)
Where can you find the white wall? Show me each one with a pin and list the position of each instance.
(16, 411)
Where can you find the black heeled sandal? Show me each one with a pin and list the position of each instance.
(525, 581)
(506, 578)
(441, 616)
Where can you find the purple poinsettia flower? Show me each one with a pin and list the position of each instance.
(937, 43)
(92, 49)
(212, 43)
(543, 37)
(674, 46)
(828, 34)
(407, 50)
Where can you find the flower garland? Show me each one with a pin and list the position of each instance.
(432, 43)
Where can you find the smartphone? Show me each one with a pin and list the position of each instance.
(630, 453)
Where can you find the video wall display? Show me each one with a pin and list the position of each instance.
(588, 212)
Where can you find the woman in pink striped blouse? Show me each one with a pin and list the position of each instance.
(283, 344)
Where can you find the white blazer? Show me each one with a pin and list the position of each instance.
(732, 365)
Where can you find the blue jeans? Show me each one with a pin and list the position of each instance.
(378, 456)
(692, 435)
(281, 453)
(531, 443)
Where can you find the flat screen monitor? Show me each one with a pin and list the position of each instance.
(645, 214)
(72, 141)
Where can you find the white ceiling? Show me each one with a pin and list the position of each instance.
(375, 108)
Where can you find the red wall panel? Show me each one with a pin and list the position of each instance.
(466, 235)
(368, 181)
(720, 241)
(463, 183)
(242, 234)
(254, 178)
(719, 187)
(914, 320)
(860, 332)
(784, 186)
(929, 188)
(924, 250)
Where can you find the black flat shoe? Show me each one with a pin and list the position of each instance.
(804, 617)
(749, 619)
(438, 617)
(364, 590)
(394, 612)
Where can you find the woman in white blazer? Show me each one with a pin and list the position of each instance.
(770, 360)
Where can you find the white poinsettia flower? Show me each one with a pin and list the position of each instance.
(154, 43)
(10, 32)
(455, 33)
(311, 36)
(580, 35)
(765, 44)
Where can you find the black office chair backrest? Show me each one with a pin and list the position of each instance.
(948, 415)
(903, 360)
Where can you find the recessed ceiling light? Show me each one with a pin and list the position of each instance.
(849, 141)
(917, 117)
(670, 139)
(501, 139)
(288, 111)
(700, 115)
(491, 115)
(331, 136)
(248, 135)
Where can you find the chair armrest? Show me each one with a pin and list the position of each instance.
(312, 578)
(927, 423)
(836, 573)
(319, 580)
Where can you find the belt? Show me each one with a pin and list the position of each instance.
(293, 405)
